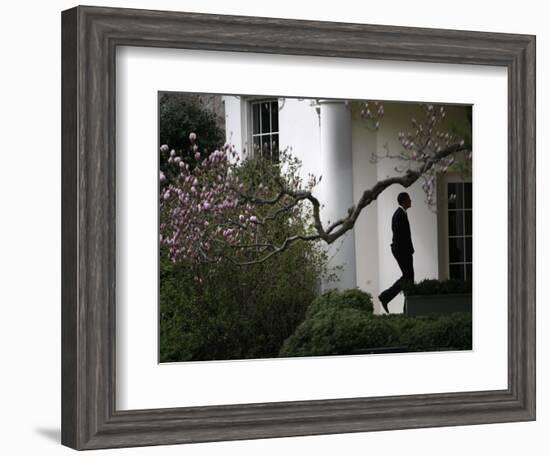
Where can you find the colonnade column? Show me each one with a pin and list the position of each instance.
(337, 186)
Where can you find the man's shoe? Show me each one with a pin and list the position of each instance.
(384, 303)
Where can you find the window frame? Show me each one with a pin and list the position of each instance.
(248, 129)
(442, 207)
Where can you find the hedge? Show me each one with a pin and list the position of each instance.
(434, 286)
(341, 323)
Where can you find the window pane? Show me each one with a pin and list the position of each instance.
(256, 145)
(454, 191)
(459, 219)
(468, 222)
(468, 248)
(456, 250)
(266, 142)
(275, 148)
(275, 116)
(456, 271)
(456, 225)
(255, 118)
(265, 114)
(468, 195)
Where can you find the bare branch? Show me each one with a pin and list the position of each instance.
(276, 249)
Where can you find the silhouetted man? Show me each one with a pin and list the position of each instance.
(402, 249)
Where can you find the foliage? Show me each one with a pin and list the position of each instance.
(336, 299)
(434, 286)
(219, 310)
(338, 326)
(442, 332)
(339, 331)
(181, 114)
(463, 160)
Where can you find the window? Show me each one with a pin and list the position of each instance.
(265, 128)
(459, 232)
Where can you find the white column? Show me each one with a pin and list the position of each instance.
(337, 186)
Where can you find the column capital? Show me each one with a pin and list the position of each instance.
(332, 101)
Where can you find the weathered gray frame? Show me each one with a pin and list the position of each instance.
(89, 416)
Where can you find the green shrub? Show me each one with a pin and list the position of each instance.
(434, 286)
(442, 332)
(336, 326)
(179, 115)
(339, 331)
(234, 312)
(336, 299)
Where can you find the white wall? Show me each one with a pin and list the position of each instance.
(234, 122)
(302, 137)
(30, 241)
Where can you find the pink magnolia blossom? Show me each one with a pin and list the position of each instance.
(201, 207)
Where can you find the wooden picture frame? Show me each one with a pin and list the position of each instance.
(90, 36)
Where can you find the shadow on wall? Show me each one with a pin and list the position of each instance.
(52, 434)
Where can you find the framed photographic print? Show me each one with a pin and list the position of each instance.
(279, 228)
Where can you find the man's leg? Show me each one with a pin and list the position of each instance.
(408, 275)
(405, 263)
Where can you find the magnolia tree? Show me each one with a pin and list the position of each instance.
(214, 209)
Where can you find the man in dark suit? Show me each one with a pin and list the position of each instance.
(402, 249)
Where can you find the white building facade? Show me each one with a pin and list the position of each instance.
(333, 140)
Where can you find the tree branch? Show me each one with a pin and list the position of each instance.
(347, 223)
(276, 249)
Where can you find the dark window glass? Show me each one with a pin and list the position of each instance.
(265, 111)
(456, 250)
(257, 148)
(455, 194)
(469, 271)
(275, 147)
(468, 249)
(467, 195)
(274, 116)
(456, 271)
(255, 118)
(468, 222)
(456, 223)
